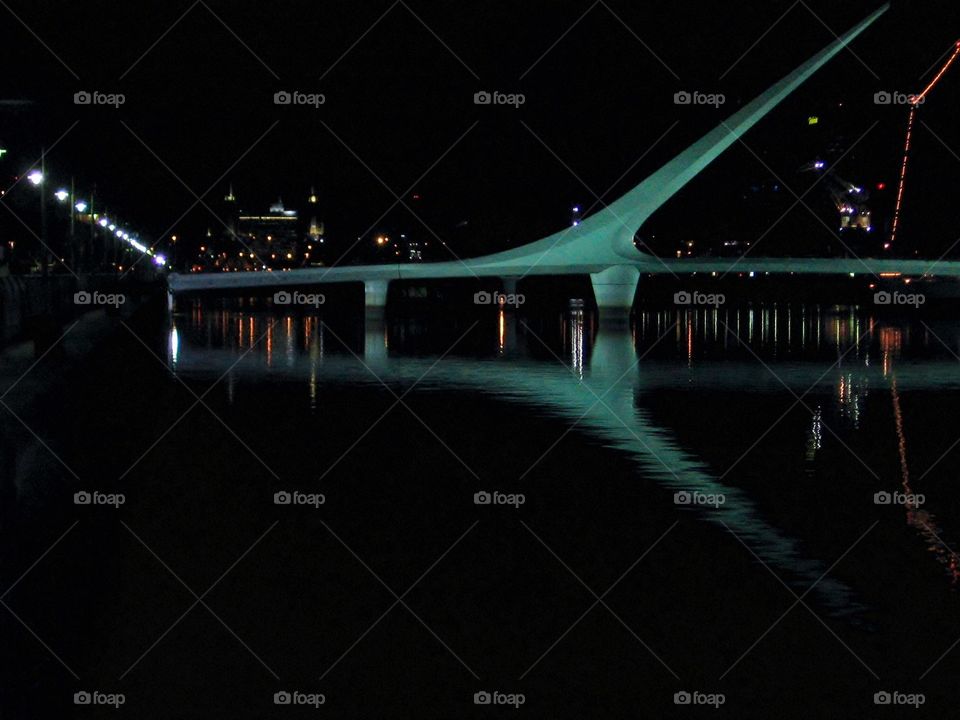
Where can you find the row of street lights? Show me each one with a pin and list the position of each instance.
(37, 178)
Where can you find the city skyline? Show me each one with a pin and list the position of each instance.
(361, 154)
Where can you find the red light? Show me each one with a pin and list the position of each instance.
(416, 197)
(881, 185)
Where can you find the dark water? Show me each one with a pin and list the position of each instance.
(794, 593)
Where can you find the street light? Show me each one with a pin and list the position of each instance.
(61, 195)
(80, 206)
(35, 176)
(102, 222)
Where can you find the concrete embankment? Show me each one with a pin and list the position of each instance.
(35, 367)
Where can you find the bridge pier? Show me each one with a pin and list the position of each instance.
(614, 289)
(375, 299)
(509, 284)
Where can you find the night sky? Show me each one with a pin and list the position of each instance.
(399, 117)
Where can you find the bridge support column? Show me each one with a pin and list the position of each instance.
(615, 289)
(510, 288)
(375, 320)
(375, 299)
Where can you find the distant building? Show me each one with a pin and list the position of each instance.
(274, 240)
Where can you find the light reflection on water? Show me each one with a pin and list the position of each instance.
(597, 379)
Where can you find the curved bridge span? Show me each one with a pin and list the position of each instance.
(602, 245)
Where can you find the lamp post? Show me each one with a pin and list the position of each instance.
(38, 179)
(70, 199)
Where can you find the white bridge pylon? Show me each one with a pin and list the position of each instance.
(602, 245)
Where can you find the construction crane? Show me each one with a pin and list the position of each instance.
(915, 101)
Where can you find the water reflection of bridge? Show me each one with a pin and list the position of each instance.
(596, 388)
